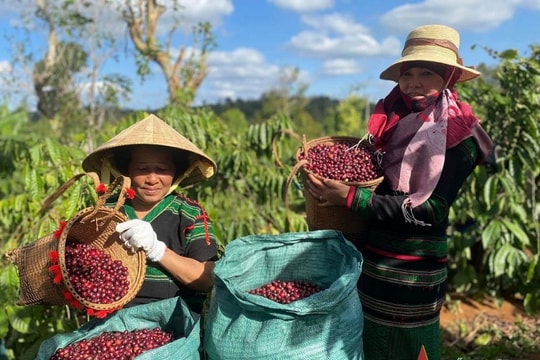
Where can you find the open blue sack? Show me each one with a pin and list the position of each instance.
(172, 315)
(326, 325)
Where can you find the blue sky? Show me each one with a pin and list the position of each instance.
(339, 46)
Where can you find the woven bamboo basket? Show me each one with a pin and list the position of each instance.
(331, 217)
(36, 284)
(94, 226)
(97, 228)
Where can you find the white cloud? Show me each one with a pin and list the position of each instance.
(304, 5)
(189, 13)
(341, 67)
(5, 66)
(337, 35)
(98, 91)
(531, 4)
(107, 14)
(5, 70)
(212, 11)
(476, 15)
(335, 22)
(242, 73)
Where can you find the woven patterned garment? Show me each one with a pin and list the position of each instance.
(186, 229)
(401, 301)
(403, 281)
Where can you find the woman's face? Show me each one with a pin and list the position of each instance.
(152, 171)
(418, 82)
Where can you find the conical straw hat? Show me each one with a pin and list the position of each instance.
(435, 43)
(152, 131)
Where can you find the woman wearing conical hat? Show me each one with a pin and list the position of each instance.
(173, 230)
(430, 143)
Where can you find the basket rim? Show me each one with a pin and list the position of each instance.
(334, 139)
(139, 258)
(370, 183)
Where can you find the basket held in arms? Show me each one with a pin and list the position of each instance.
(331, 217)
(94, 226)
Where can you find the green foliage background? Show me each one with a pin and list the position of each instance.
(500, 253)
(497, 253)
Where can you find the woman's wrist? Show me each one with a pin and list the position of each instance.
(360, 200)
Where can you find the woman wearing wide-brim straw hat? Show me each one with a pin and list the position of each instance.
(430, 143)
(173, 230)
(152, 131)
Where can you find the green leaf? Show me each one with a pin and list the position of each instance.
(517, 231)
(491, 234)
(21, 325)
(509, 54)
(32, 184)
(499, 260)
(519, 210)
(263, 136)
(54, 152)
(490, 190)
(515, 260)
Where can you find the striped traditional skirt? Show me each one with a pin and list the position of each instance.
(401, 300)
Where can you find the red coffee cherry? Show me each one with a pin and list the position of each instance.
(285, 292)
(94, 275)
(343, 161)
(115, 345)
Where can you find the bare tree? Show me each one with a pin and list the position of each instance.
(53, 75)
(103, 92)
(184, 71)
(65, 72)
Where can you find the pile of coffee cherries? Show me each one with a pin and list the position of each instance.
(115, 345)
(94, 275)
(286, 291)
(343, 161)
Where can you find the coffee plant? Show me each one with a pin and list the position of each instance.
(498, 252)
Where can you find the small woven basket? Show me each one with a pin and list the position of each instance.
(97, 227)
(332, 217)
(94, 226)
(36, 283)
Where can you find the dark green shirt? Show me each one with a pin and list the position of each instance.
(390, 232)
(183, 225)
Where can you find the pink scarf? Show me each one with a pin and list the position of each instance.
(414, 142)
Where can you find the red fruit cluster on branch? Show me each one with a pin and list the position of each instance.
(115, 345)
(285, 292)
(343, 161)
(94, 275)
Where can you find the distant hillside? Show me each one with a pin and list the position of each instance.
(317, 107)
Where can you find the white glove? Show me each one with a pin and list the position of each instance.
(139, 234)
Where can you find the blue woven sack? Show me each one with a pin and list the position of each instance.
(172, 315)
(326, 325)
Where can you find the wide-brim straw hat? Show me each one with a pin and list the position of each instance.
(152, 131)
(434, 43)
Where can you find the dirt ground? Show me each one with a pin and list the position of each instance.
(463, 319)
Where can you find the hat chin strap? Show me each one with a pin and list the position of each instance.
(107, 170)
(196, 164)
(173, 187)
(449, 78)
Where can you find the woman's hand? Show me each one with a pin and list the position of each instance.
(138, 234)
(328, 192)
